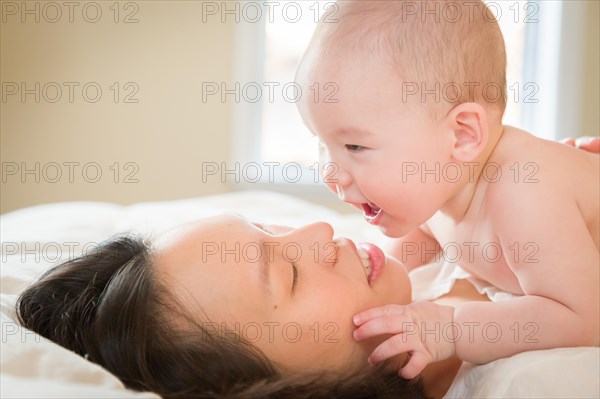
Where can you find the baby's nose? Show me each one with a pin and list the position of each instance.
(338, 182)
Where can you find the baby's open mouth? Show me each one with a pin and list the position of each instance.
(370, 209)
(372, 212)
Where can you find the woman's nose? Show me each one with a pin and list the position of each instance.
(317, 229)
(318, 232)
(314, 242)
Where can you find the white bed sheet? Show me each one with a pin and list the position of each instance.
(33, 367)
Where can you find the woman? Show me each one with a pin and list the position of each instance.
(226, 308)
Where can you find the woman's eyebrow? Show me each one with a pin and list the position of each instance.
(264, 266)
(259, 226)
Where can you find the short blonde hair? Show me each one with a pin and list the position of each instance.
(451, 52)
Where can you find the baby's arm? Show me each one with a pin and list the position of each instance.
(415, 249)
(561, 281)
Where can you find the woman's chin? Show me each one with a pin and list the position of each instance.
(393, 261)
(395, 277)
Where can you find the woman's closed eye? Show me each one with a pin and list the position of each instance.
(294, 266)
(295, 276)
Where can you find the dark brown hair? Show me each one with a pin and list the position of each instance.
(109, 306)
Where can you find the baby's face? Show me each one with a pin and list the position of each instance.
(381, 153)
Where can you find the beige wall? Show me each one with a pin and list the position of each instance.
(591, 73)
(579, 92)
(167, 134)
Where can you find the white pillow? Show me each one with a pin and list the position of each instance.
(553, 373)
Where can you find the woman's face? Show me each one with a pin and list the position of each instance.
(290, 292)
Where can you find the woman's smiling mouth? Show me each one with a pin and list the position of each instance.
(372, 258)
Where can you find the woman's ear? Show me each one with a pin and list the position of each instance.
(468, 122)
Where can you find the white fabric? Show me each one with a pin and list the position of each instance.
(555, 373)
(437, 278)
(34, 367)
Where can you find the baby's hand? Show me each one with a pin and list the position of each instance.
(423, 329)
(591, 144)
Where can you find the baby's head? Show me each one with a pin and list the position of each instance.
(419, 44)
(403, 94)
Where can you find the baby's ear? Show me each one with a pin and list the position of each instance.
(468, 122)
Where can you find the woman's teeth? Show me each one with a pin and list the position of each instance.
(366, 262)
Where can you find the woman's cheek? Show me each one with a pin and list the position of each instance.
(393, 285)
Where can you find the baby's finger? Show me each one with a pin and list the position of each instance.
(570, 141)
(417, 363)
(591, 144)
(388, 324)
(396, 345)
(386, 310)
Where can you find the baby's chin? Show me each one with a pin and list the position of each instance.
(395, 230)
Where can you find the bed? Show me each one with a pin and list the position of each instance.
(36, 238)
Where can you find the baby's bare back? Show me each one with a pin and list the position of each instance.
(560, 169)
(523, 171)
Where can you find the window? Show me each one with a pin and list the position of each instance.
(273, 131)
(270, 134)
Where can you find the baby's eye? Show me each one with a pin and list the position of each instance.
(354, 147)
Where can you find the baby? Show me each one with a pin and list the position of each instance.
(414, 137)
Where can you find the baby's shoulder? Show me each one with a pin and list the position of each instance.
(516, 145)
(531, 170)
(529, 162)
